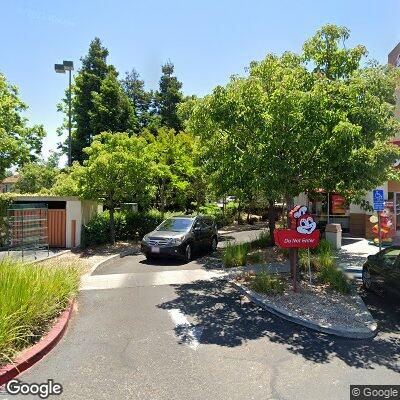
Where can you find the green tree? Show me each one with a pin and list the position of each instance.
(38, 176)
(141, 99)
(112, 111)
(19, 143)
(174, 169)
(87, 81)
(287, 129)
(118, 169)
(168, 97)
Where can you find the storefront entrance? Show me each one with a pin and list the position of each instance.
(397, 213)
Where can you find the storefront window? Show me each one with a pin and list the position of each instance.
(338, 210)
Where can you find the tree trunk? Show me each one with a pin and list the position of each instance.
(112, 225)
(162, 198)
(271, 220)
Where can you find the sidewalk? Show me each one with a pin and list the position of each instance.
(29, 255)
(353, 254)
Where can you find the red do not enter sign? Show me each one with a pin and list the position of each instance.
(289, 238)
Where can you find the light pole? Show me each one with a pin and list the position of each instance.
(61, 68)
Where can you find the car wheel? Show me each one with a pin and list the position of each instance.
(214, 244)
(367, 279)
(188, 253)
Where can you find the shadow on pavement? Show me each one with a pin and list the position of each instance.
(217, 309)
(348, 240)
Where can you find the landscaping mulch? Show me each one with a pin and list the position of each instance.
(87, 258)
(318, 303)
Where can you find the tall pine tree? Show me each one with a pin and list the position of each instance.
(88, 80)
(112, 111)
(141, 99)
(168, 97)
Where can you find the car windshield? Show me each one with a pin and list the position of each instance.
(176, 225)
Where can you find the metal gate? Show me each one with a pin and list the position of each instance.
(56, 228)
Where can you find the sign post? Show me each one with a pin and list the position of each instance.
(379, 205)
(301, 235)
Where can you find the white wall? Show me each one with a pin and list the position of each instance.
(73, 212)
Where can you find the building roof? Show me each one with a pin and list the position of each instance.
(10, 179)
(394, 56)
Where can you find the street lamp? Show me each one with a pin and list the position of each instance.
(61, 68)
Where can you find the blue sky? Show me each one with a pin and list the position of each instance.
(206, 40)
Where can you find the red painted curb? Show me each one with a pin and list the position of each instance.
(36, 352)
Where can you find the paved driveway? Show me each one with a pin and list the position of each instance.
(196, 339)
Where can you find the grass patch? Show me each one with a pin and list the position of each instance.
(31, 296)
(263, 241)
(335, 278)
(267, 283)
(235, 255)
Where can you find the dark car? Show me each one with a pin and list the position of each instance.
(180, 237)
(381, 271)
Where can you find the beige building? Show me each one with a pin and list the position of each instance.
(8, 184)
(65, 217)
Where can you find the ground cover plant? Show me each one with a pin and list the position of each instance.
(31, 296)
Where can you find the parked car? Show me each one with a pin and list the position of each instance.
(381, 271)
(180, 237)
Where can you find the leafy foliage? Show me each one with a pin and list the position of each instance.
(142, 100)
(112, 111)
(118, 169)
(87, 81)
(266, 283)
(39, 176)
(19, 143)
(235, 255)
(31, 296)
(173, 154)
(168, 97)
(335, 278)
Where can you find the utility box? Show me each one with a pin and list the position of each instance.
(333, 234)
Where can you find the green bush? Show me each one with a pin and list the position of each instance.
(263, 241)
(31, 296)
(267, 283)
(212, 210)
(235, 255)
(335, 278)
(128, 225)
(324, 247)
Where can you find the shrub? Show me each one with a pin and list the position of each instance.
(267, 283)
(324, 247)
(335, 278)
(31, 296)
(128, 225)
(212, 210)
(235, 255)
(263, 240)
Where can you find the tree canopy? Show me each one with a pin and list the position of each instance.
(38, 176)
(118, 169)
(87, 81)
(168, 97)
(19, 143)
(112, 111)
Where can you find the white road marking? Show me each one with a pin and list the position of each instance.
(188, 334)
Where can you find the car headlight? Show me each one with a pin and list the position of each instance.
(176, 240)
(145, 238)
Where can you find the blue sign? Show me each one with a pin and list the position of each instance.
(379, 200)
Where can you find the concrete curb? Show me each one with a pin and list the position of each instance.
(36, 352)
(50, 257)
(95, 266)
(369, 332)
